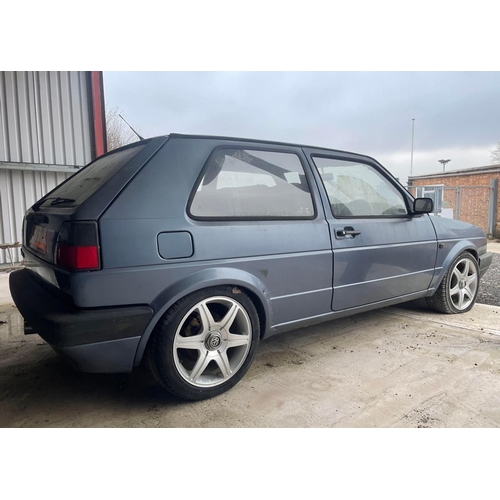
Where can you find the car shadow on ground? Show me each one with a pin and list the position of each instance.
(38, 388)
(48, 390)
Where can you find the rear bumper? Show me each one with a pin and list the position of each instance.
(100, 340)
(484, 262)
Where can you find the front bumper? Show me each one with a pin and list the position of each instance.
(484, 263)
(102, 340)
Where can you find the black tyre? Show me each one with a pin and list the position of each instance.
(205, 343)
(457, 292)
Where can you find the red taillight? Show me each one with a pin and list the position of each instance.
(78, 258)
(77, 247)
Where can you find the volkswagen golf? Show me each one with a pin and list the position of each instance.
(186, 251)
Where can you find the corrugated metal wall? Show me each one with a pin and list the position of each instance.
(44, 119)
(19, 189)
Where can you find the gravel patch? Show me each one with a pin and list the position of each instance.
(489, 287)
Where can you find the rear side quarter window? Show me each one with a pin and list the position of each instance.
(252, 184)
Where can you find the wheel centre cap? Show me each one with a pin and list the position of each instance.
(213, 341)
(461, 284)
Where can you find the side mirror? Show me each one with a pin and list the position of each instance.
(423, 206)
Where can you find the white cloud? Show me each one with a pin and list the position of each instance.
(456, 113)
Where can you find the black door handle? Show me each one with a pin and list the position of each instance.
(348, 231)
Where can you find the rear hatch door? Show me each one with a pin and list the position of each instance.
(82, 197)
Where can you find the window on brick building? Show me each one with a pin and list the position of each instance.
(434, 192)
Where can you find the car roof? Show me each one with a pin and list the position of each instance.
(246, 139)
(175, 135)
(279, 143)
(264, 141)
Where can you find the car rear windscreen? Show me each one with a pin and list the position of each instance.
(90, 178)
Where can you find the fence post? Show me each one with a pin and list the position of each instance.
(492, 209)
(458, 200)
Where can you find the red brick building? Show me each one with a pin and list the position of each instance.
(470, 195)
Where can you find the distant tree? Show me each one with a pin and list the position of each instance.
(495, 154)
(118, 133)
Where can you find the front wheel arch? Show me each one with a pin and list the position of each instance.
(474, 253)
(453, 253)
(458, 290)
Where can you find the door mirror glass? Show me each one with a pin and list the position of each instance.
(423, 206)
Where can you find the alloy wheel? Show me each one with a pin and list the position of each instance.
(212, 341)
(463, 284)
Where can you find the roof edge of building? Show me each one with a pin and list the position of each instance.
(488, 169)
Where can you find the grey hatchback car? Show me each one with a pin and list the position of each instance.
(185, 251)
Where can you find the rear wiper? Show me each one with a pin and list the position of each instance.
(58, 200)
(55, 201)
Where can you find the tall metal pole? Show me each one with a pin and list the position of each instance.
(412, 136)
(443, 162)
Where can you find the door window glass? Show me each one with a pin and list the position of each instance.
(358, 190)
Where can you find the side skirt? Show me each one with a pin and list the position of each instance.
(315, 320)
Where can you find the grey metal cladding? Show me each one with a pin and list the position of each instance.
(44, 119)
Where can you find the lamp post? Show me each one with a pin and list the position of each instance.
(412, 136)
(443, 162)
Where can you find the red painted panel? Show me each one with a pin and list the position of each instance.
(99, 125)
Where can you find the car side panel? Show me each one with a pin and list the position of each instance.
(391, 257)
(291, 258)
(454, 237)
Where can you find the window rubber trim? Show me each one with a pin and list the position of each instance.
(308, 176)
(379, 171)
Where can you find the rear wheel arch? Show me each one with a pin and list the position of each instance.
(261, 311)
(247, 283)
(204, 344)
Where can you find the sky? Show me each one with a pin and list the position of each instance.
(457, 114)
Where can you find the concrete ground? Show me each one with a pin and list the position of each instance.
(4, 289)
(397, 367)
(494, 246)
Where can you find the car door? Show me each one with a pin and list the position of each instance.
(259, 204)
(380, 250)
